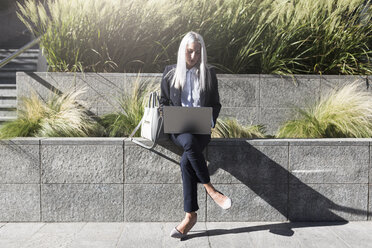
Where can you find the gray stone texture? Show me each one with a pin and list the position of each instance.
(284, 91)
(82, 202)
(98, 163)
(238, 92)
(159, 165)
(244, 115)
(259, 202)
(274, 118)
(19, 163)
(328, 202)
(329, 164)
(248, 164)
(20, 202)
(158, 202)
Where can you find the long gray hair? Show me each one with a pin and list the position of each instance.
(179, 77)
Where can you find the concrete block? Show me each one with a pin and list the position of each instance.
(44, 84)
(258, 202)
(97, 163)
(284, 92)
(273, 118)
(19, 202)
(19, 163)
(329, 164)
(158, 202)
(333, 82)
(244, 115)
(159, 165)
(328, 202)
(239, 92)
(82, 202)
(248, 164)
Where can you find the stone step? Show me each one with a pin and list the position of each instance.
(8, 100)
(6, 112)
(6, 118)
(19, 67)
(8, 90)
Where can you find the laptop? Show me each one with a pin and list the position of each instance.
(195, 120)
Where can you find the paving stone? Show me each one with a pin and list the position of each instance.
(319, 237)
(14, 235)
(248, 164)
(82, 163)
(141, 235)
(158, 202)
(19, 202)
(259, 202)
(327, 202)
(20, 163)
(82, 202)
(361, 234)
(329, 164)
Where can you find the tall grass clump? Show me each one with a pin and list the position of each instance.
(230, 128)
(242, 36)
(132, 106)
(59, 116)
(345, 112)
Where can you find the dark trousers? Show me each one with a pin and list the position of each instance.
(193, 166)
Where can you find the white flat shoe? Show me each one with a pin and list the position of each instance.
(226, 204)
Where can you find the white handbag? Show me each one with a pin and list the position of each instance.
(151, 123)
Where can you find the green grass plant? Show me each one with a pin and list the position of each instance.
(132, 105)
(344, 112)
(59, 116)
(230, 128)
(242, 36)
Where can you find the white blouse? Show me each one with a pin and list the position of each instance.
(190, 96)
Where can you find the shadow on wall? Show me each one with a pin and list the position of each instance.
(293, 199)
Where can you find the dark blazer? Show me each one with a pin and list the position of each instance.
(170, 96)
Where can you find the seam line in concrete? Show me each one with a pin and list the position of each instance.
(40, 217)
(207, 231)
(123, 180)
(340, 238)
(369, 182)
(288, 171)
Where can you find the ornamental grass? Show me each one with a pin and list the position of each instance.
(242, 36)
(59, 116)
(130, 113)
(344, 112)
(230, 128)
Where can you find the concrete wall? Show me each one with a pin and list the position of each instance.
(112, 179)
(252, 99)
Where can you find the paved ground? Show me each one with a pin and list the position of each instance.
(210, 234)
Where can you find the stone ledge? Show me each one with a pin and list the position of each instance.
(112, 179)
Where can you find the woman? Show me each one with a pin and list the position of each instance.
(190, 83)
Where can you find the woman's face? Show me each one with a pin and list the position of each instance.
(192, 54)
